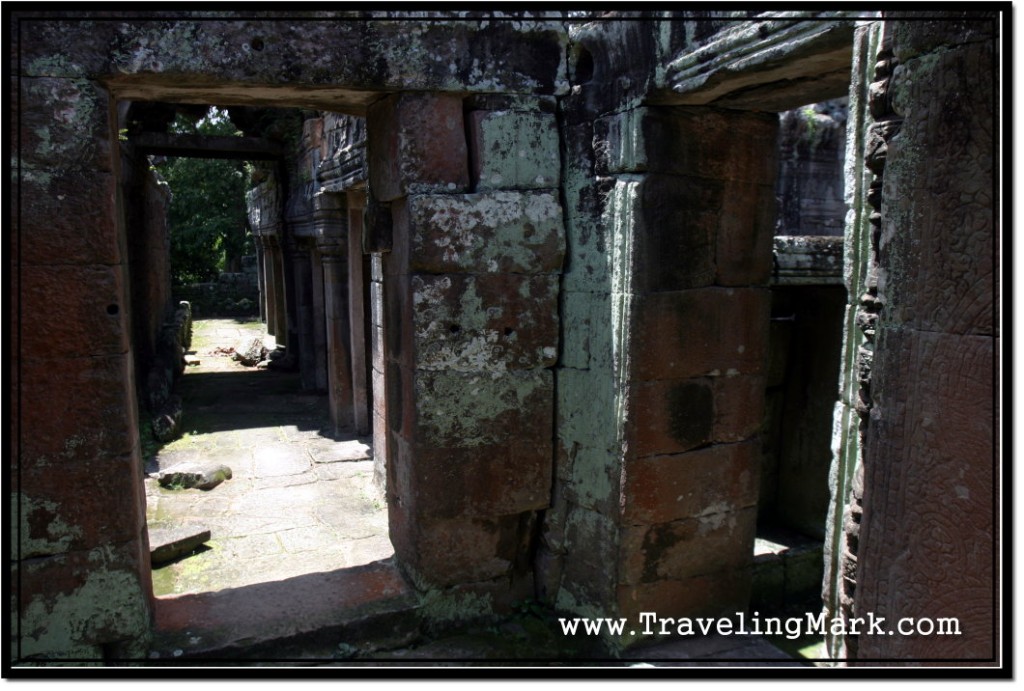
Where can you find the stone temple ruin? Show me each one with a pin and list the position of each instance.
(607, 315)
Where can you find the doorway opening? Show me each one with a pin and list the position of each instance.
(805, 339)
(253, 479)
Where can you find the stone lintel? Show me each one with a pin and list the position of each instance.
(795, 54)
(808, 260)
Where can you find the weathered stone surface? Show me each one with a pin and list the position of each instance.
(669, 416)
(589, 475)
(708, 595)
(591, 547)
(93, 319)
(250, 351)
(194, 475)
(63, 129)
(416, 144)
(696, 142)
(689, 547)
(166, 423)
(774, 64)
(701, 483)
(473, 409)
(80, 409)
(513, 150)
(479, 482)
(942, 28)
(64, 508)
(507, 232)
(446, 551)
(354, 450)
(928, 500)
(709, 331)
(167, 543)
(75, 605)
(586, 330)
(939, 225)
(739, 404)
(491, 322)
(75, 227)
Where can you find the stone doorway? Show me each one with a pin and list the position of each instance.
(298, 500)
(808, 300)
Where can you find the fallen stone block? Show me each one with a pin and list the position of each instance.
(354, 450)
(166, 424)
(188, 475)
(250, 351)
(168, 543)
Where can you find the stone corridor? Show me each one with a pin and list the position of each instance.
(298, 502)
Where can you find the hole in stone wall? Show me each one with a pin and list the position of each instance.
(582, 65)
(112, 309)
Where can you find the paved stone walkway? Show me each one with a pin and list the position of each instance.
(292, 506)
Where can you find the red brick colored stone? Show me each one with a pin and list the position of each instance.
(44, 584)
(711, 595)
(669, 416)
(739, 407)
(688, 547)
(743, 243)
(492, 232)
(480, 481)
(472, 409)
(74, 225)
(93, 311)
(705, 331)
(69, 505)
(445, 552)
(64, 131)
(484, 322)
(76, 409)
(716, 479)
(712, 143)
(416, 143)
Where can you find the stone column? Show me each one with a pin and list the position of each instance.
(79, 556)
(270, 276)
(930, 500)
(261, 279)
(332, 243)
(661, 392)
(302, 267)
(319, 319)
(277, 297)
(358, 313)
(471, 324)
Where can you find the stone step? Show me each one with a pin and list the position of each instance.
(168, 543)
(317, 617)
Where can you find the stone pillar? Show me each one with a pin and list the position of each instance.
(930, 501)
(302, 268)
(850, 418)
(79, 549)
(661, 389)
(332, 243)
(261, 280)
(270, 286)
(472, 330)
(277, 297)
(358, 313)
(319, 321)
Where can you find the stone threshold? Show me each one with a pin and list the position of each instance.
(317, 616)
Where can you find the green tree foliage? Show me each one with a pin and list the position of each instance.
(207, 216)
